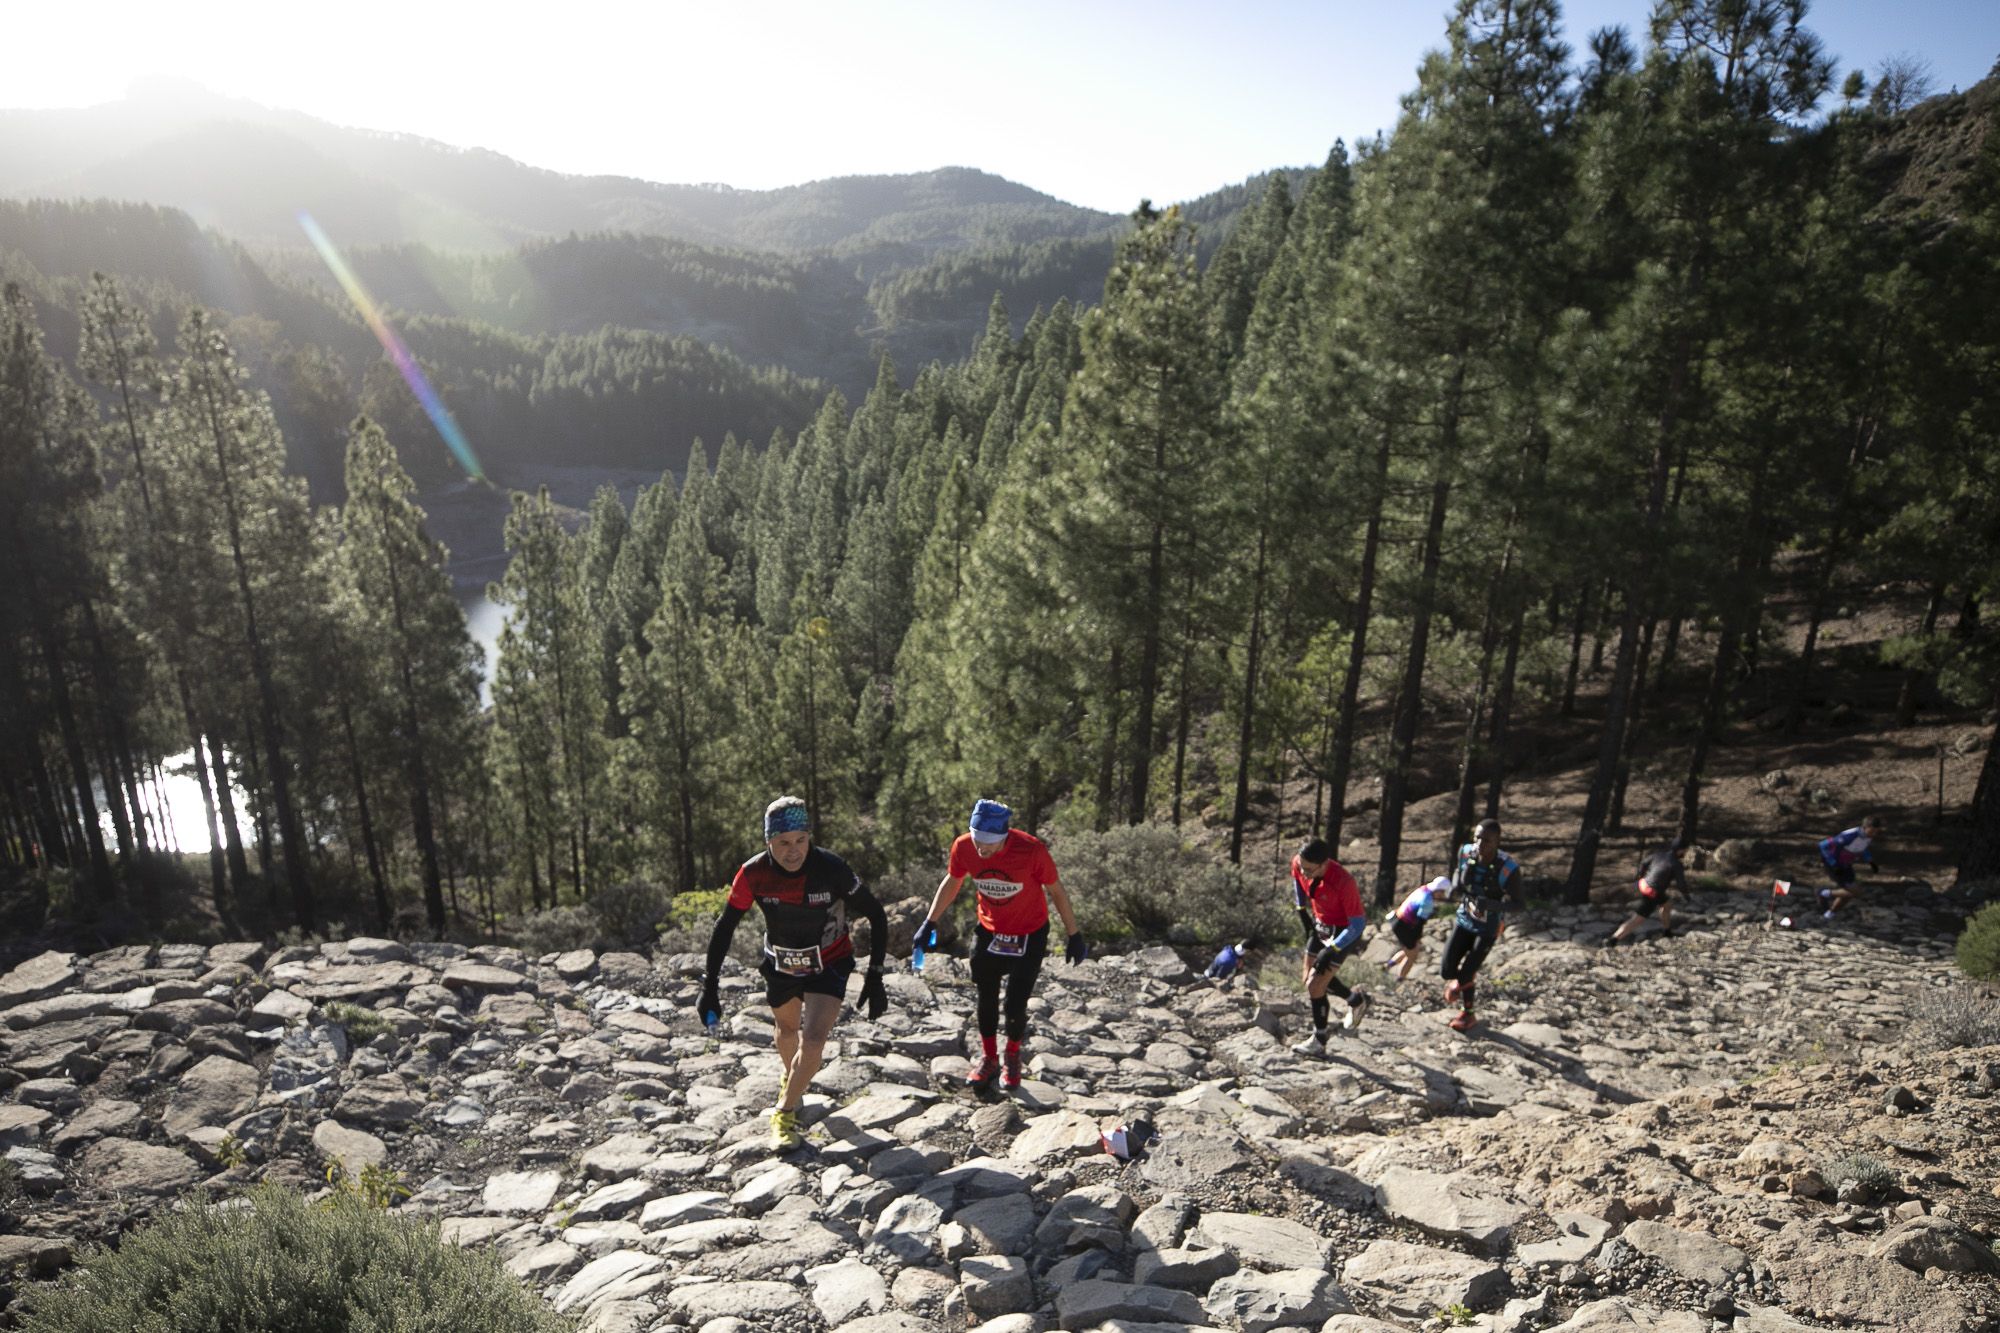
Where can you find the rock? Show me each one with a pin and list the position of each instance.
(104, 1119)
(377, 951)
(21, 1125)
(1263, 1242)
(353, 1150)
(1414, 1280)
(1164, 1225)
(615, 1200)
(60, 1095)
(619, 1157)
(38, 1256)
(1086, 1304)
(1355, 1323)
(1738, 854)
(576, 964)
(1188, 1161)
(907, 1228)
(844, 1290)
(1618, 1315)
(614, 1275)
(885, 1323)
(1190, 1270)
(1005, 1225)
(521, 1191)
(1093, 1216)
(41, 976)
(214, 1092)
(1923, 1243)
(1455, 1207)
(625, 971)
(1690, 1254)
(382, 1100)
(996, 1285)
(482, 978)
(762, 1193)
(1577, 1237)
(1057, 1136)
(545, 1263)
(1260, 1302)
(758, 1304)
(1160, 963)
(123, 1166)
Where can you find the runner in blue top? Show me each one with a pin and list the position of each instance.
(1839, 854)
(1406, 923)
(1486, 882)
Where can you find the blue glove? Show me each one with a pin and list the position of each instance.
(925, 939)
(1076, 950)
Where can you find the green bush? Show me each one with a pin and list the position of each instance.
(1140, 881)
(1947, 1018)
(363, 1024)
(558, 930)
(1871, 1174)
(1979, 944)
(273, 1263)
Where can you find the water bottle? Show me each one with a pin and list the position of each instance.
(917, 956)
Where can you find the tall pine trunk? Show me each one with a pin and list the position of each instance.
(1469, 750)
(1140, 765)
(1107, 754)
(415, 763)
(1340, 765)
(1503, 711)
(1615, 816)
(383, 913)
(1247, 731)
(290, 833)
(54, 664)
(1410, 700)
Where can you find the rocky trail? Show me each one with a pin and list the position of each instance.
(1726, 1129)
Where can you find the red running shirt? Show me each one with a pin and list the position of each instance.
(1012, 883)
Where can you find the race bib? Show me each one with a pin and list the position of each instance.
(1476, 910)
(999, 890)
(1007, 946)
(797, 962)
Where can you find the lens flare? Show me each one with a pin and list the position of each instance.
(399, 352)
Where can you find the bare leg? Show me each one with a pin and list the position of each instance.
(1631, 924)
(786, 1016)
(820, 1012)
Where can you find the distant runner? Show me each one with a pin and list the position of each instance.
(1338, 920)
(1227, 961)
(1487, 881)
(1657, 873)
(1305, 873)
(1406, 923)
(1840, 854)
(1015, 881)
(805, 893)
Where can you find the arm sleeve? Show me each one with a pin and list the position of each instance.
(1348, 935)
(719, 938)
(864, 902)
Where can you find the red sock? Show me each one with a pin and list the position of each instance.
(991, 1046)
(1013, 1050)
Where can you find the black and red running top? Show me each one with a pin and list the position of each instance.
(803, 909)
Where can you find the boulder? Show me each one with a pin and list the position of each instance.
(1086, 1304)
(996, 1285)
(1414, 1280)
(40, 976)
(1260, 1302)
(1263, 1242)
(352, 1150)
(124, 1166)
(1454, 1207)
(1923, 1243)
(214, 1092)
(1690, 1254)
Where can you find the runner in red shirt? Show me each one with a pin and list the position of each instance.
(1338, 920)
(1015, 881)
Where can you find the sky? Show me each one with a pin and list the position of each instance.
(1098, 102)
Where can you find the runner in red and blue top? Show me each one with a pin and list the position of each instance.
(1302, 890)
(1015, 880)
(1487, 880)
(1338, 920)
(1408, 920)
(1840, 854)
(806, 894)
(1658, 873)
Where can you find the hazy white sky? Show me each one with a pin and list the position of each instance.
(1096, 101)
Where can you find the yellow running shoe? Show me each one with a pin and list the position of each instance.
(785, 1133)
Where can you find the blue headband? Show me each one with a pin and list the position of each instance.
(786, 819)
(990, 820)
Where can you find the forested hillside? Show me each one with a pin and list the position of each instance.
(1576, 363)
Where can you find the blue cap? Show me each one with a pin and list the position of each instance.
(990, 820)
(787, 814)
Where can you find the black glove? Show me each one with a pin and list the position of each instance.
(873, 995)
(1076, 950)
(709, 1006)
(925, 938)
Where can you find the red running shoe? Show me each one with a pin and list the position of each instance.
(1010, 1071)
(1464, 1021)
(982, 1078)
